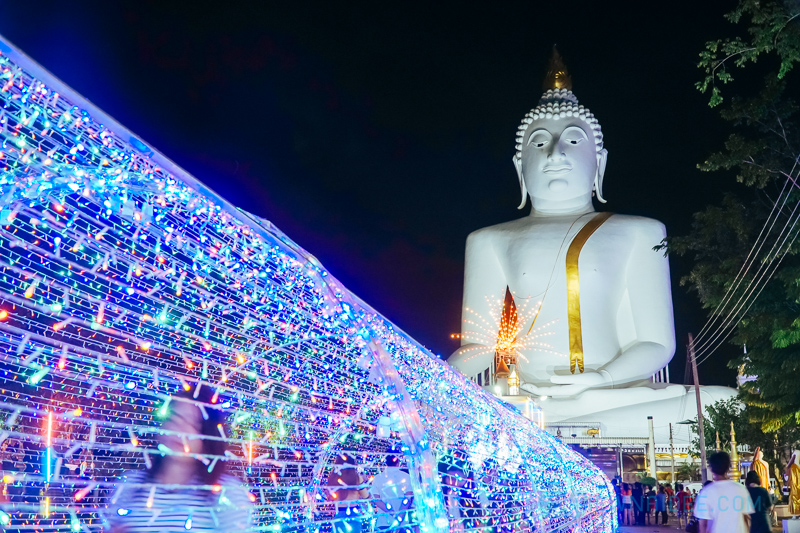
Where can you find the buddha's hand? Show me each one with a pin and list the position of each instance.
(571, 384)
(637, 362)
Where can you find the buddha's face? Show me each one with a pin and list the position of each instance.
(560, 160)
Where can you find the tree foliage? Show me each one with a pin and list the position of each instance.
(648, 481)
(777, 445)
(746, 269)
(688, 472)
(773, 29)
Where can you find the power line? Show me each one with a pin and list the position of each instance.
(772, 255)
(756, 297)
(747, 263)
(709, 345)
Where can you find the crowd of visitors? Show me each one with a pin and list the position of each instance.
(644, 505)
(179, 492)
(722, 506)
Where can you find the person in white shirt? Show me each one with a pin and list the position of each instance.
(723, 506)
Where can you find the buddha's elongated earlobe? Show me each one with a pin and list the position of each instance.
(598, 189)
(602, 156)
(522, 187)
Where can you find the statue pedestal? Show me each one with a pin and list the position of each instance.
(624, 412)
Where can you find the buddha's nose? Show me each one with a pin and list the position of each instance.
(556, 151)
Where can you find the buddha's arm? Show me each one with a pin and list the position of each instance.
(649, 299)
(484, 287)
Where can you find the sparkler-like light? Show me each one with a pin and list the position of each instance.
(501, 331)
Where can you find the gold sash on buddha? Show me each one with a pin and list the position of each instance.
(574, 290)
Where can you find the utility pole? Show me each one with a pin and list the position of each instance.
(671, 456)
(651, 449)
(700, 426)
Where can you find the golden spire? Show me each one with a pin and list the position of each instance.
(502, 369)
(734, 455)
(557, 76)
(506, 350)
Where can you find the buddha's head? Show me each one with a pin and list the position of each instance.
(758, 455)
(560, 158)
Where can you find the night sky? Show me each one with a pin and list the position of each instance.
(378, 136)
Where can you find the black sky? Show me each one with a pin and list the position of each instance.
(379, 135)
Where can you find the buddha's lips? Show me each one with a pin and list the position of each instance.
(556, 169)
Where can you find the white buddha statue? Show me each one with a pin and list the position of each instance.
(592, 296)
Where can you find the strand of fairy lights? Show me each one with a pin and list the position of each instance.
(278, 347)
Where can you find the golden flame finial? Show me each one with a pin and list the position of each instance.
(509, 326)
(557, 76)
(506, 352)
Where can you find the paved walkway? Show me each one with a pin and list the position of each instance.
(650, 529)
(663, 529)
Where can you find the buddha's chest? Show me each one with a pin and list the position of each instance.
(536, 261)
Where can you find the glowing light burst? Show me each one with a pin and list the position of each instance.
(497, 333)
(124, 281)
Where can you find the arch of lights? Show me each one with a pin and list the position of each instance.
(123, 280)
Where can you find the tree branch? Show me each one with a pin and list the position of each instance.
(719, 64)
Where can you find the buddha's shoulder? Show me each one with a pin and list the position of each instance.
(628, 224)
(491, 234)
(636, 225)
(635, 221)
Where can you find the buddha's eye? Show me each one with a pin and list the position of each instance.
(574, 136)
(539, 139)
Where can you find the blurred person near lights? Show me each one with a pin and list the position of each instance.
(637, 495)
(683, 498)
(650, 505)
(616, 482)
(627, 504)
(670, 492)
(186, 489)
(661, 505)
(393, 496)
(347, 490)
